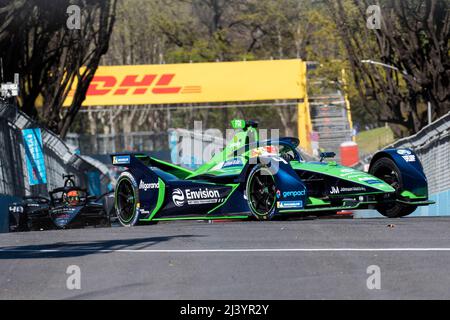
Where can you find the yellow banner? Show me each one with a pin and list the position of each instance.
(304, 126)
(197, 83)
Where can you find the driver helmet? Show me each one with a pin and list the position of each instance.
(73, 198)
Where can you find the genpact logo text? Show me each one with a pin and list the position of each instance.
(294, 193)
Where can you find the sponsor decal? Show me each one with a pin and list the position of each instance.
(407, 155)
(289, 204)
(63, 211)
(373, 181)
(195, 197)
(294, 194)
(404, 152)
(237, 162)
(267, 151)
(353, 189)
(409, 158)
(369, 180)
(334, 190)
(278, 194)
(337, 190)
(121, 160)
(143, 211)
(201, 196)
(157, 84)
(146, 186)
(178, 197)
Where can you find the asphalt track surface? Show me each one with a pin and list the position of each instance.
(306, 259)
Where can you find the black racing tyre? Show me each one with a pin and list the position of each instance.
(261, 192)
(386, 170)
(126, 199)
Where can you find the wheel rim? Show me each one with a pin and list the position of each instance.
(391, 177)
(262, 192)
(125, 201)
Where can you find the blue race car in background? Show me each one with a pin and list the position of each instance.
(66, 207)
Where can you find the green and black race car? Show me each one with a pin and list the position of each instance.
(265, 180)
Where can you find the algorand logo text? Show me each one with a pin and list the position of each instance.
(146, 186)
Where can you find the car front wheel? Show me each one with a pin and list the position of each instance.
(386, 170)
(261, 192)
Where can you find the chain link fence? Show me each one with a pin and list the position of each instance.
(59, 159)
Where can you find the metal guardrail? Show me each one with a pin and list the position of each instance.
(60, 158)
(432, 145)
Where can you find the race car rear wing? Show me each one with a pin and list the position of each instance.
(136, 160)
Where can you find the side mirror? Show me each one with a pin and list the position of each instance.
(327, 155)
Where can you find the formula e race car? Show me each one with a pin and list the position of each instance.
(67, 207)
(265, 180)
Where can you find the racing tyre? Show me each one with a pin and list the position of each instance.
(386, 170)
(126, 200)
(261, 192)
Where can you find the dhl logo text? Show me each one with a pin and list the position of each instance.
(138, 85)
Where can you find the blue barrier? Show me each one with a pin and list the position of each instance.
(5, 201)
(440, 209)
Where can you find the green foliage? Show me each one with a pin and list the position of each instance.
(373, 140)
(331, 33)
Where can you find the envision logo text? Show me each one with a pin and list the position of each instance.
(200, 196)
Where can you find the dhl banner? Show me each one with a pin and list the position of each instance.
(304, 126)
(197, 83)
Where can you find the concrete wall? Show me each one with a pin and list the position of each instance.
(440, 209)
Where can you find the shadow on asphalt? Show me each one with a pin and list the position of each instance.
(68, 250)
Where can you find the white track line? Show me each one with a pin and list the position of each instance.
(225, 250)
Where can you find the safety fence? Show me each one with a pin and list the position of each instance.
(59, 159)
(432, 145)
(120, 142)
(331, 123)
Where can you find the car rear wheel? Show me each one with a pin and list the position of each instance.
(126, 200)
(261, 192)
(386, 170)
